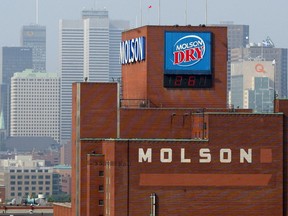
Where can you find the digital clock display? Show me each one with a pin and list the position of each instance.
(187, 81)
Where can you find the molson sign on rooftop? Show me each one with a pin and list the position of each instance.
(187, 52)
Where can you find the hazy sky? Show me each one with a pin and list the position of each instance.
(265, 19)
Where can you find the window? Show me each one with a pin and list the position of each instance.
(101, 188)
(33, 177)
(26, 177)
(19, 177)
(101, 173)
(40, 177)
(101, 202)
(12, 177)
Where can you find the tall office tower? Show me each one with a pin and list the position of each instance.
(71, 67)
(266, 51)
(34, 36)
(89, 50)
(14, 59)
(115, 32)
(238, 37)
(35, 104)
(96, 47)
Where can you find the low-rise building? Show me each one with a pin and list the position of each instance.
(23, 176)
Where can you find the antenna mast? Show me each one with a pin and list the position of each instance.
(37, 9)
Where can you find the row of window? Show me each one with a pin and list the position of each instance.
(32, 188)
(28, 177)
(26, 170)
(28, 182)
(13, 194)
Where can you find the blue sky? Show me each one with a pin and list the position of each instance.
(264, 19)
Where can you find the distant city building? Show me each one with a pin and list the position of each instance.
(89, 50)
(23, 176)
(252, 85)
(65, 177)
(238, 37)
(35, 104)
(267, 52)
(34, 36)
(261, 97)
(65, 153)
(14, 59)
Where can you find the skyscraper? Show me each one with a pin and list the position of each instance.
(238, 37)
(71, 67)
(14, 59)
(262, 51)
(252, 85)
(35, 104)
(34, 36)
(89, 50)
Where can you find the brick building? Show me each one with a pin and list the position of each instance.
(171, 145)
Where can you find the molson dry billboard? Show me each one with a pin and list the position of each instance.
(188, 52)
(188, 62)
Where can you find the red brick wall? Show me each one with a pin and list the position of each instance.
(282, 106)
(128, 191)
(226, 131)
(99, 102)
(59, 209)
(94, 114)
(260, 132)
(144, 80)
(95, 164)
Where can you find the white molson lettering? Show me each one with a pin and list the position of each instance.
(166, 155)
(132, 50)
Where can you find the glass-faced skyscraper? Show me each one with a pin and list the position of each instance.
(34, 36)
(14, 59)
(89, 50)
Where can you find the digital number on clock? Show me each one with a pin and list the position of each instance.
(187, 81)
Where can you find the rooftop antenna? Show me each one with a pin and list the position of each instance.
(206, 13)
(159, 15)
(37, 10)
(141, 17)
(186, 13)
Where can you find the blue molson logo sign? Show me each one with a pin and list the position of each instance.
(132, 50)
(187, 52)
